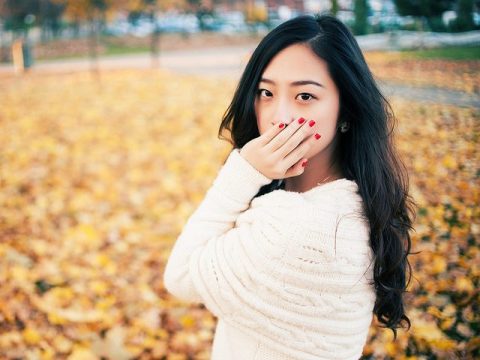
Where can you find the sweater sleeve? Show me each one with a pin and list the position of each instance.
(210, 226)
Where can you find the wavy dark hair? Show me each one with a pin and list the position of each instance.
(366, 152)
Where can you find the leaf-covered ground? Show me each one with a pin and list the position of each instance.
(98, 176)
(405, 68)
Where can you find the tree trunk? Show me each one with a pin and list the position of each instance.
(4, 56)
(93, 41)
(155, 40)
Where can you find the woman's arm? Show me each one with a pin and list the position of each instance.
(236, 184)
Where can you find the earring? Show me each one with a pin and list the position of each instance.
(344, 126)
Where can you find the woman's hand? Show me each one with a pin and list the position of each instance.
(277, 153)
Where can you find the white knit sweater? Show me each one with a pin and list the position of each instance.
(287, 274)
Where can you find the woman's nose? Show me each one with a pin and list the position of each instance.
(283, 113)
(285, 120)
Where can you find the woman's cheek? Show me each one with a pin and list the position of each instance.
(264, 121)
(258, 116)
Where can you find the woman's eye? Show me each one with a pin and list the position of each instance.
(306, 96)
(267, 93)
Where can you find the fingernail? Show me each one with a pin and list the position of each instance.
(304, 163)
(281, 126)
(318, 136)
(301, 120)
(311, 123)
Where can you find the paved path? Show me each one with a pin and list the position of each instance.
(230, 62)
(430, 94)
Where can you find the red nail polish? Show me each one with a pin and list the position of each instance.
(281, 126)
(301, 120)
(311, 123)
(318, 136)
(304, 163)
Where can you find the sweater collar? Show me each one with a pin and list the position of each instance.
(342, 183)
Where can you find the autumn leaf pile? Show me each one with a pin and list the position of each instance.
(99, 174)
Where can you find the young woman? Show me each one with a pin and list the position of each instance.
(304, 233)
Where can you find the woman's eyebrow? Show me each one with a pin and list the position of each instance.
(306, 82)
(294, 83)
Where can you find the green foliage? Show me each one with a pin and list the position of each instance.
(15, 13)
(427, 8)
(451, 53)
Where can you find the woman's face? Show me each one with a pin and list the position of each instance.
(281, 98)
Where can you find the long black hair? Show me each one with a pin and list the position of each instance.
(365, 152)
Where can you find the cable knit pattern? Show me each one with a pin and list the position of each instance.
(287, 274)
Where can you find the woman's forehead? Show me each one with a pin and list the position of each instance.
(296, 63)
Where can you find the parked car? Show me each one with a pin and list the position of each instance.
(185, 23)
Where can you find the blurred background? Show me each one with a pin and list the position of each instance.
(34, 31)
(109, 113)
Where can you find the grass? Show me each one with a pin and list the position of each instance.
(449, 53)
(112, 49)
(459, 53)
